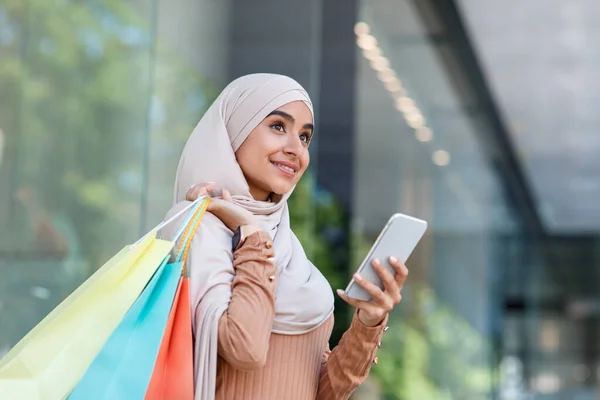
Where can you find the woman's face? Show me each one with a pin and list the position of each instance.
(275, 154)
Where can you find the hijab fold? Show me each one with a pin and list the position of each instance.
(304, 299)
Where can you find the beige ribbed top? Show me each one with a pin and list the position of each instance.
(257, 364)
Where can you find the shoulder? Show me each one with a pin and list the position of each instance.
(213, 225)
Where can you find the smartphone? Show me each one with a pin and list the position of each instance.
(398, 238)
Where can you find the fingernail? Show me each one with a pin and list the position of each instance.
(357, 277)
(340, 292)
(376, 262)
(393, 259)
(212, 183)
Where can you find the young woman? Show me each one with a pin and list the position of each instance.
(263, 313)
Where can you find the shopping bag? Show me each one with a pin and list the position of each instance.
(48, 362)
(173, 375)
(123, 367)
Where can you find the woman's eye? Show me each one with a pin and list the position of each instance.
(305, 138)
(278, 127)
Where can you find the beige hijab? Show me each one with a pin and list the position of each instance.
(304, 299)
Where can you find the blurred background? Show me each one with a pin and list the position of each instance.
(476, 115)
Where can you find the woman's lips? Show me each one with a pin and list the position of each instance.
(288, 171)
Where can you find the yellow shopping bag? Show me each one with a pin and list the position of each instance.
(49, 361)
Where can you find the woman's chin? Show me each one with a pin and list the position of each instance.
(281, 189)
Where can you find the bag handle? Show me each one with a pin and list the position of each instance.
(187, 220)
(191, 226)
(195, 204)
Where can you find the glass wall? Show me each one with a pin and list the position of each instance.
(419, 153)
(98, 98)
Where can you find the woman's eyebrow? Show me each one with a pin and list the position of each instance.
(283, 115)
(290, 118)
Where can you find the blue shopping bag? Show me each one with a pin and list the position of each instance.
(124, 366)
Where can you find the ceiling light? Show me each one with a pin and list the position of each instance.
(398, 94)
(406, 105)
(387, 75)
(441, 158)
(424, 134)
(393, 86)
(372, 54)
(361, 28)
(414, 119)
(366, 42)
(380, 64)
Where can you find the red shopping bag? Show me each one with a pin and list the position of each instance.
(173, 375)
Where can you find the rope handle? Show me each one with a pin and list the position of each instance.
(191, 226)
(194, 205)
(190, 223)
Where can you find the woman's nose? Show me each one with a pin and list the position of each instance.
(294, 146)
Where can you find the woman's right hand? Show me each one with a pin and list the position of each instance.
(232, 215)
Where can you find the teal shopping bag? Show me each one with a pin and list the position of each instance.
(124, 366)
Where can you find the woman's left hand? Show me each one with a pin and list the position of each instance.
(371, 313)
